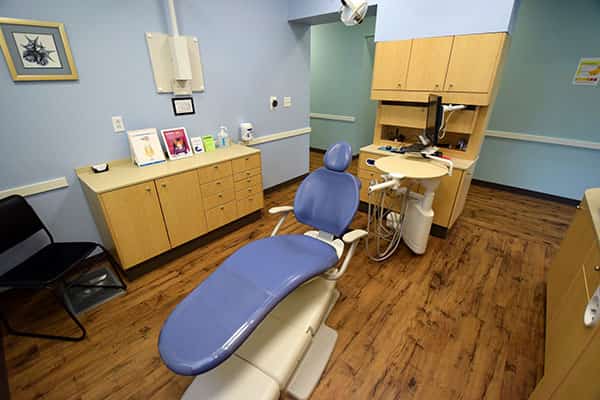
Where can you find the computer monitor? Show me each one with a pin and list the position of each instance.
(435, 114)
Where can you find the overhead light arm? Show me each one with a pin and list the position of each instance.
(353, 12)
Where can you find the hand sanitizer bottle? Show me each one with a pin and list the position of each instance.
(223, 138)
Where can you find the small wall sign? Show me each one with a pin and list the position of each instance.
(183, 105)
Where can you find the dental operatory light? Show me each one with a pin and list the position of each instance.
(353, 12)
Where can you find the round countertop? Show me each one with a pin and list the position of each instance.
(412, 168)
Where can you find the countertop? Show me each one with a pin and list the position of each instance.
(592, 198)
(459, 163)
(123, 173)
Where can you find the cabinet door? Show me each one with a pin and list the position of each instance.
(429, 63)
(571, 256)
(473, 62)
(182, 207)
(461, 195)
(445, 197)
(136, 223)
(391, 65)
(566, 335)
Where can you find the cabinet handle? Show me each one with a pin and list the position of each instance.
(597, 268)
(216, 167)
(164, 185)
(218, 183)
(400, 85)
(437, 85)
(451, 86)
(247, 158)
(220, 195)
(222, 207)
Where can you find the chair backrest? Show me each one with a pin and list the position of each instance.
(18, 222)
(328, 198)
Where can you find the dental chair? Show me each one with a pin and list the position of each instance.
(254, 329)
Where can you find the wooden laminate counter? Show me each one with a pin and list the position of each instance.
(124, 173)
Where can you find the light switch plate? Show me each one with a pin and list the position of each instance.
(118, 125)
(287, 101)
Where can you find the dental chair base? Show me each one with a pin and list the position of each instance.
(288, 352)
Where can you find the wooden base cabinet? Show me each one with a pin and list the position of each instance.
(177, 201)
(572, 348)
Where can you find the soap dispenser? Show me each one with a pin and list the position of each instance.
(223, 138)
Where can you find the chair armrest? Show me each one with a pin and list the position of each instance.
(285, 210)
(352, 238)
(354, 235)
(279, 210)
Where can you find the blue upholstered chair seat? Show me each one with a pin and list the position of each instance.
(211, 323)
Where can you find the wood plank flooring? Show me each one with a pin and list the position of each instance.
(465, 321)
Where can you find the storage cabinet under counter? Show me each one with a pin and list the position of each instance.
(143, 212)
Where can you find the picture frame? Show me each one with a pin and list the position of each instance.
(145, 147)
(183, 106)
(37, 50)
(177, 143)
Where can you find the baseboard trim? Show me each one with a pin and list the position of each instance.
(531, 193)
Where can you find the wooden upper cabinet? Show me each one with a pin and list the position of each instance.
(182, 207)
(391, 65)
(473, 62)
(136, 223)
(429, 63)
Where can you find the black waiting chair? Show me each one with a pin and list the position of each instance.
(49, 267)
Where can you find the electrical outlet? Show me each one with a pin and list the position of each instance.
(273, 103)
(287, 101)
(118, 125)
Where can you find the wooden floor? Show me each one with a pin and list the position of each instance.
(464, 321)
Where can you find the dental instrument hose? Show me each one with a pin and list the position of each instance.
(377, 215)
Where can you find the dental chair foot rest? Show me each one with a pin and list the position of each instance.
(234, 379)
(313, 364)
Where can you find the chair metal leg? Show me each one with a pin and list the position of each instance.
(115, 267)
(61, 298)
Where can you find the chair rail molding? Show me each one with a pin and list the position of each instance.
(526, 137)
(36, 188)
(333, 117)
(279, 136)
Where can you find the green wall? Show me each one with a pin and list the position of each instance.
(340, 84)
(536, 97)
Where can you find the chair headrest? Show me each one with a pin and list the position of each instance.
(338, 157)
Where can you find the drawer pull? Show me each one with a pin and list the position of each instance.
(218, 183)
(220, 195)
(148, 190)
(590, 315)
(597, 268)
(222, 207)
(247, 158)
(164, 185)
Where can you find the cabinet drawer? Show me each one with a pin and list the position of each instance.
(219, 199)
(246, 174)
(250, 204)
(221, 215)
(246, 163)
(363, 164)
(369, 175)
(250, 191)
(218, 186)
(255, 180)
(214, 172)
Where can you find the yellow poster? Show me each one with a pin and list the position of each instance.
(588, 72)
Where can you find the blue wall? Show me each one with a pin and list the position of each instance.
(407, 19)
(341, 73)
(536, 97)
(249, 52)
